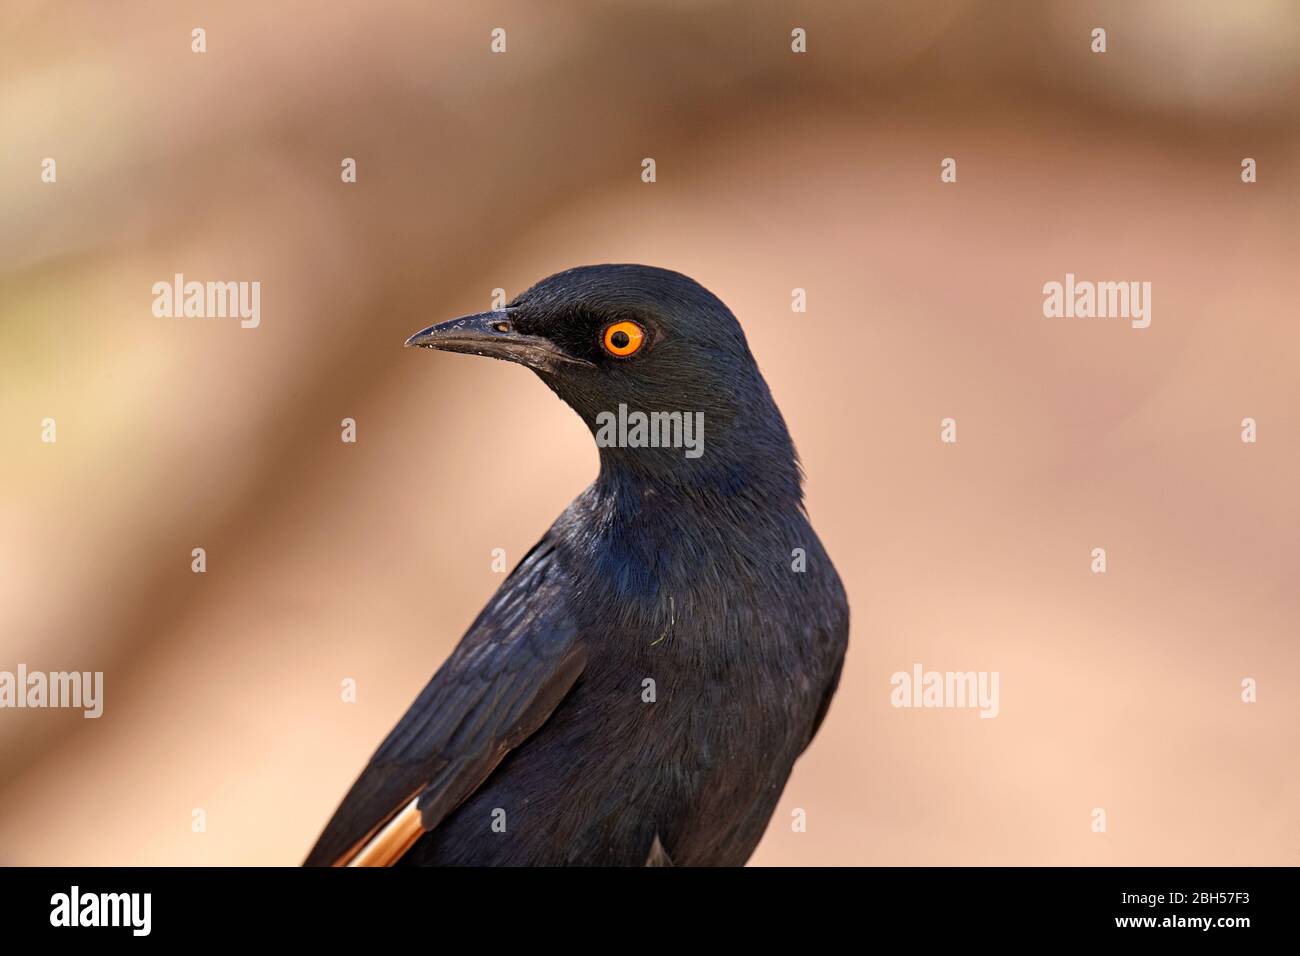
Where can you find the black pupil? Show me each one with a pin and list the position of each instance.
(619, 339)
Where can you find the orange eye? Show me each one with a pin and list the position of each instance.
(623, 339)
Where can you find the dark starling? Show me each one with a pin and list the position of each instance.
(638, 689)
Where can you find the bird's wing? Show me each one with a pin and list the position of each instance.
(513, 667)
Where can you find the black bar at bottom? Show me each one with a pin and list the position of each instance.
(332, 907)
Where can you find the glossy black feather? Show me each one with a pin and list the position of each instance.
(517, 662)
(536, 742)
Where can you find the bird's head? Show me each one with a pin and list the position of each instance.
(616, 340)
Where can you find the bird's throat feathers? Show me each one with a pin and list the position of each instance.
(736, 461)
(735, 487)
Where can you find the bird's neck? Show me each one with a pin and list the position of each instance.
(655, 534)
(739, 472)
(737, 454)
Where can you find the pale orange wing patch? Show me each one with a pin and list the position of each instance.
(387, 846)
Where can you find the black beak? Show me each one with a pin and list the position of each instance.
(493, 334)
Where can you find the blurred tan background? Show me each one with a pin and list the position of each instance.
(329, 561)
